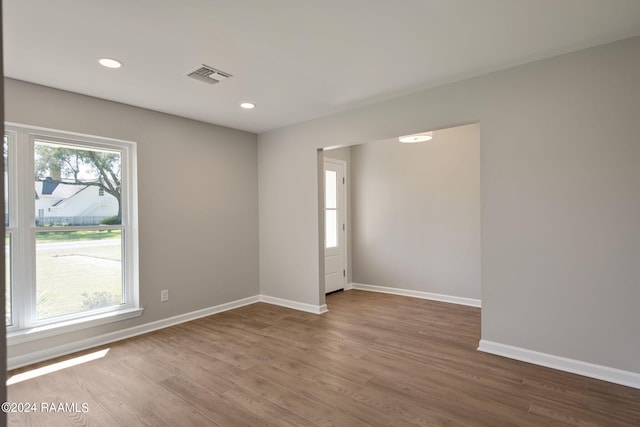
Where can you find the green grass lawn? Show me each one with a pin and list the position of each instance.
(76, 278)
(80, 277)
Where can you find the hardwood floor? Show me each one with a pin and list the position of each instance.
(372, 360)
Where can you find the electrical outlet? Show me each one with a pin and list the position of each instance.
(164, 295)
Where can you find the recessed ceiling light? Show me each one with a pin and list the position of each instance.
(248, 105)
(110, 63)
(419, 137)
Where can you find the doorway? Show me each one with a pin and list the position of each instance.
(412, 217)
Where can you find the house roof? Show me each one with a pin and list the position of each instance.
(61, 191)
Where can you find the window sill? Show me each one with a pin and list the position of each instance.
(31, 334)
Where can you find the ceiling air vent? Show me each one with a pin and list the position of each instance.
(208, 74)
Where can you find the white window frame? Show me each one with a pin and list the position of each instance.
(11, 226)
(25, 325)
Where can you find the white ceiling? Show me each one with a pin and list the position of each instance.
(296, 59)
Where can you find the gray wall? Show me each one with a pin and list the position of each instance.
(198, 213)
(416, 213)
(560, 220)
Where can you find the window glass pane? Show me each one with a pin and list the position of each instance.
(77, 271)
(7, 267)
(331, 229)
(330, 189)
(69, 181)
(5, 150)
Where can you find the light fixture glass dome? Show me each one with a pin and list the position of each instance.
(418, 137)
(110, 62)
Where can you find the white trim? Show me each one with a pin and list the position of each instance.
(53, 133)
(61, 350)
(309, 308)
(416, 294)
(605, 373)
(52, 329)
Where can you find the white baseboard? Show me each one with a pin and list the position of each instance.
(309, 308)
(18, 361)
(605, 373)
(14, 362)
(416, 294)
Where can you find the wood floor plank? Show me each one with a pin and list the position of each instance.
(264, 409)
(209, 402)
(316, 412)
(128, 412)
(373, 359)
(319, 392)
(598, 405)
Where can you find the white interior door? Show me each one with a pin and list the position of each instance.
(335, 273)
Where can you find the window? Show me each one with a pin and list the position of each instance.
(331, 209)
(71, 231)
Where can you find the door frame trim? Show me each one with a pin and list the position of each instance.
(345, 253)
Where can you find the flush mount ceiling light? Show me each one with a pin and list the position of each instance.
(248, 105)
(418, 137)
(110, 62)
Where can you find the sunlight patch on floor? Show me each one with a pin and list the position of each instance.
(34, 373)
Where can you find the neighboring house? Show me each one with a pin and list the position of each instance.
(59, 200)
